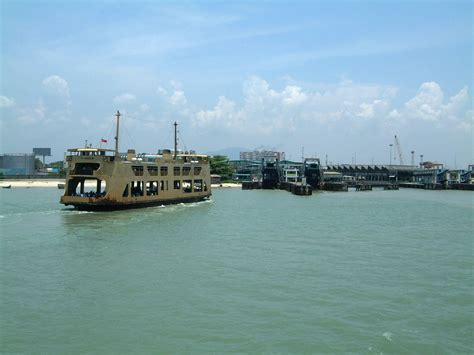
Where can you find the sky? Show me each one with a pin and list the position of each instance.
(335, 78)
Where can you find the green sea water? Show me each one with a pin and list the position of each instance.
(248, 272)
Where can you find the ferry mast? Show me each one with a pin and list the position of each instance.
(117, 134)
(175, 140)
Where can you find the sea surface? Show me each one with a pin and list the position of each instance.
(250, 272)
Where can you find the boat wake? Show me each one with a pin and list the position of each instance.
(387, 335)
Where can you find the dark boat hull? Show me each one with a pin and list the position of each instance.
(85, 206)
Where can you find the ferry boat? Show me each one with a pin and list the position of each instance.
(312, 172)
(103, 179)
(270, 175)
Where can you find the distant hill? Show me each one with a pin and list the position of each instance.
(232, 153)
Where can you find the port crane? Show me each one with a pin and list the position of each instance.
(398, 149)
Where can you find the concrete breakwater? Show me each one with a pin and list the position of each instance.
(296, 188)
(437, 186)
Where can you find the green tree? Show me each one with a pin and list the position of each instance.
(220, 165)
(57, 164)
(38, 164)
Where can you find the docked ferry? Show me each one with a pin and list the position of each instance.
(104, 179)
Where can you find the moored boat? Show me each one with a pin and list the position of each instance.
(104, 179)
(312, 172)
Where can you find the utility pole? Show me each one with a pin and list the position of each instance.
(391, 145)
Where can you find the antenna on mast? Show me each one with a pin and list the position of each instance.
(117, 134)
(175, 140)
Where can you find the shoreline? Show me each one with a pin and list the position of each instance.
(28, 183)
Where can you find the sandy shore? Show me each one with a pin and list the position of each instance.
(54, 183)
(32, 183)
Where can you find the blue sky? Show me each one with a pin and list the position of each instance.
(339, 78)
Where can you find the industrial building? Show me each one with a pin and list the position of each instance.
(266, 155)
(252, 169)
(17, 164)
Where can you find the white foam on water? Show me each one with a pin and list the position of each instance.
(2, 216)
(387, 335)
(78, 212)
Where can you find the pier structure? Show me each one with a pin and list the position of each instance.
(432, 176)
(375, 175)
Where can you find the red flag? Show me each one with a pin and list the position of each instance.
(103, 140)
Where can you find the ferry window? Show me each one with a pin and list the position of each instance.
(137, 188)
(167, 185)
(177, 184)
(197, 170)
(187, 186)
(86, 187)
(186, 170)
(137, 170)
(152, 188)
(164, 171)
(197, 186)
(176, 171)
(73, 184)
(153, 170)
(205, 186)
(162, 185)
(125, 192)
(85, 168)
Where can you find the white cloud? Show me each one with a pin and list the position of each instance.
(456, 104)
(161, 91)
(394, 114)
(6, 102)
(33, 115)
(178, 98)
(428, 104)
(175, 96)
(223, 113)
(124, 98)
(176, 85)
(267, 110)
(292, 95)
(346, 106)
(56, 85)
(466, 124)
(376, 109)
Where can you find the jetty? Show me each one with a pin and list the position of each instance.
(297, 188)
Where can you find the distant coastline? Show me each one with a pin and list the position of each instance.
(28, 183)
